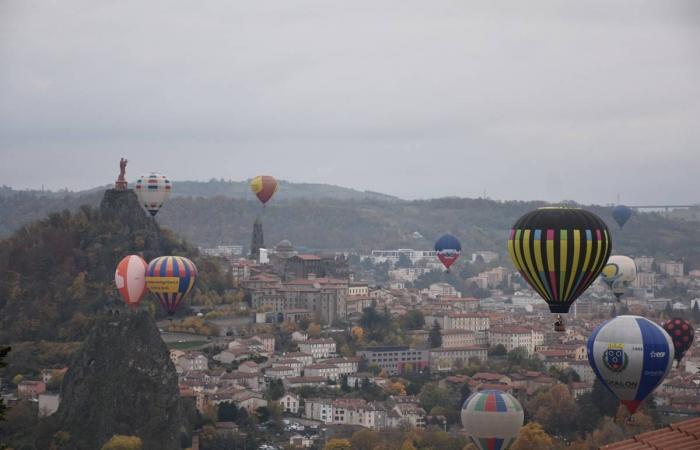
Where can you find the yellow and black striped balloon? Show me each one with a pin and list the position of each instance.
(559, 251)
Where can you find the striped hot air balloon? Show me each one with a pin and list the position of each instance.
(492, 419)
(152, 191)
(171, 279)
(264, 187)
(130, 279)
(631, 356)
(559, 251)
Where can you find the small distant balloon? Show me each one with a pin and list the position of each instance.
(171, 279)
(264, 187)
(130, 279)
(682, 334)
(152, 191)
(619, 273)
(448, 249)
(492, 419)
(631, 356)
(621, 214)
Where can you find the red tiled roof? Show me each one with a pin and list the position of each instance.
(683, 435)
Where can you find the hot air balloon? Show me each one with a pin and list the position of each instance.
(618, 274)
(621, 214)
(264, 187)
(171, 278)
(153, 190)
(492, 419)
(631, 356)
(448, 249)
(682, 334)
(130, 278)
(559, 251)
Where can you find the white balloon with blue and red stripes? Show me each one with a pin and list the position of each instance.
(631, 356)
(152, 191)
(492, 418)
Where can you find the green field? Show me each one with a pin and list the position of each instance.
(186, 345)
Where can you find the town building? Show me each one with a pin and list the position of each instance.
(396, 359)
(318, 348)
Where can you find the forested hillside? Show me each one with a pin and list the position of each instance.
(55, 274)
(333, 223)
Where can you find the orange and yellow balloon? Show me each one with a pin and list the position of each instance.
(264, 187)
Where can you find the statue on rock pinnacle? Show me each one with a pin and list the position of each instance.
(121, 182)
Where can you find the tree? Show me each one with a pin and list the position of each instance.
(412, 320)
(435, 336)
(407, 445)
(603, 399)
(613, 311)
(121, 442)
(227, 412)
(60, 440)
(403, 262)
(358, 334)
(432, 395)
(364, 440)
(555, 409)
(3, 353)
(338, 444)
(533, 436)
(696, 312)
(275, 390)
(668, 310)
(498, 350)
(314, 330)
(607, 433)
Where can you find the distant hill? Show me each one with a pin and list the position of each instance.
(362, 224)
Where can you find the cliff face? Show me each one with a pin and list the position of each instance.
(123, 207)
(122, 382)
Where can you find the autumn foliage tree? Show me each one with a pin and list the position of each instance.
(121, 442)
(532, 436)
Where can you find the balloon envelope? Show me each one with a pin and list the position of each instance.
(621, 214)
(264, 187)
(152, 191)
(448, 249)
(559, 251)
(492, 419)
(619, 273)
(682, 334)
(130, 279)
(171, 279)
(631, 356)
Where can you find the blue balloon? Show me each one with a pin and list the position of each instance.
(621, 214)
(448, 249)
(631, 356)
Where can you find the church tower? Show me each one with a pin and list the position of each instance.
(257, 242)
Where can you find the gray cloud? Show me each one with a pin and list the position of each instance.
(525, 100)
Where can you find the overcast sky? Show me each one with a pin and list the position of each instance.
(521, 99)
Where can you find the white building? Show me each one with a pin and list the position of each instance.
(442, 289)
(318, 348)
(380, 256)
(644, 280)
(512, 338)
(357, 288)
(671, 268)
(471, 321)
(289, 403)
(328, 371)
(192, 361)
(644, 263)
(485, 255)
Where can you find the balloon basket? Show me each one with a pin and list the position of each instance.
(559, 325)
(629, 420)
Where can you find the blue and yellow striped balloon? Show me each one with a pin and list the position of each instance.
(559, 251)
(171, 279)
